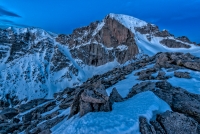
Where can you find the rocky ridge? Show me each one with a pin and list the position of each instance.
(91, 97)
(95, 45)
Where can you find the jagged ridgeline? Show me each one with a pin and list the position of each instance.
(85, 79)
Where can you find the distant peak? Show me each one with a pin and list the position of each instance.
(128, 21)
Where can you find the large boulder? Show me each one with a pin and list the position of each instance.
(145, 127)
(169, 123)
(93, 99)
(176, 123)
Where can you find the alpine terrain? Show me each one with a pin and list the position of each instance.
(120, 75)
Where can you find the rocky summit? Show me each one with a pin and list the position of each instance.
(119, 75)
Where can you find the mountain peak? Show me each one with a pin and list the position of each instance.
(127, 21)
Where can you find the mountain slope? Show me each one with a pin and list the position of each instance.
(90, 69)
(36, 64)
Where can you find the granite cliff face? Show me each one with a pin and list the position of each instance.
(101, 42)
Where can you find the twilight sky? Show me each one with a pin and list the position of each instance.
(180, 17)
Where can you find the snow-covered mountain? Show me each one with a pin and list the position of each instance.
(36, 65)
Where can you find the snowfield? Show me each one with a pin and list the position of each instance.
(123, 119)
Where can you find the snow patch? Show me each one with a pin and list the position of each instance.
(99, 27)
(122, 47)
(191, 85)
(124, 86)
(128, 21)
(123, 119)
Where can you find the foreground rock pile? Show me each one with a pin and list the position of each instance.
(40, 115)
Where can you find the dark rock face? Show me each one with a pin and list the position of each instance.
(112, 35)
(146, 74)
(161, 75)
(93, 54)
(174, 122)
(173, 43)
(192, 65)
(185, 39)
(31, 104)
(178, 61)
(182, 74)
(145, 128)
(3, 104)
(169, 123)
(94, 98)
(8, 113)
(149, 28)
(152, 30)
(115, 96)
(36, 113)
(59, 61)
(44, 127)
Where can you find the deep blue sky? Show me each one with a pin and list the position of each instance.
(180, 17)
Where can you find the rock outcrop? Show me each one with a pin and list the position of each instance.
(92, 99)
(174, 44)
(169, 123)
(103, 45)
(182, 74)
(151, 30)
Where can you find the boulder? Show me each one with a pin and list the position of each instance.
(169, 123)
(91, 97)
(115, 96)
(176, 123)
(194, 65)
(182, 74)
(161, 75)
(145, 127)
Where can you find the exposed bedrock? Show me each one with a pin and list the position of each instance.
(169, 123)
(99, 46)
